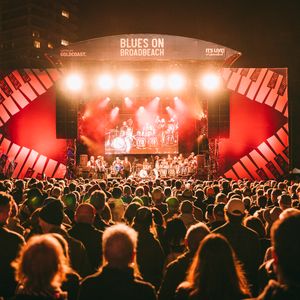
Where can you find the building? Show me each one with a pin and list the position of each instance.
(31, 28)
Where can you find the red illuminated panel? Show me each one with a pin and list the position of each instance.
(10, 105)
(286, 126)
(264, 89)
(35, 83)
(3, 114)
(40, 165)
(250, 166)
(29, 163)
(226, 72)
(240, 171)
(281, 102)
(61, 171)
(277, 146)
(13, 151)
(43, 77)
(54, 74)
(231, 174)
(5, 145)
(255, 85)
(20, 159)
(234, 80)
(50, 168)
(269, 155)
(286, 112)
(273, 93)
(283, 136)
(19, 98)
(245, 82)
(260, 162)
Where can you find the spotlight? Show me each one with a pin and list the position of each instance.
(74, 82)
(211, 82)
(157, 82)
(125, 82)
(105, 82)
(176, 82)
(128, 102)
(114, 113)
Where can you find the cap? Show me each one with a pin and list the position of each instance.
(235, 207)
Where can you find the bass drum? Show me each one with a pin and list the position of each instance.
(143, 173)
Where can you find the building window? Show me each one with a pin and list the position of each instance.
(35, 34)
(50, 45)
(65, 14)
(37, 44)
(64, 42)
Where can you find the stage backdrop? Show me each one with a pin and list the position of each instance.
(257, 147)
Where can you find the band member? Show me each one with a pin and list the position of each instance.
(117, 167)
(126, 167)
(100, 167)
(156, 166)
(91, 164)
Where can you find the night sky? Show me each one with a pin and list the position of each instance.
(267, 32)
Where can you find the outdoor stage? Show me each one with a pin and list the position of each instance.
(141, 96)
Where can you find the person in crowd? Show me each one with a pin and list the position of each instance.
(71, 204)
(127, 194)
(215, 273)
(50, 220)
(209, 216)
(116, 204)
(176, 270)
(257, 225)
(173, 208)
(187, 213)
(286, 248)
(158, 200)
(84, 231)
(174, 236)
(244, 241)
(130, 212)
(13, 222)
(160, 226)
(119, 276)
(98, 199)
(72, 280)
(10, 242)
(150, 255)
(218, 216)
(40, 269)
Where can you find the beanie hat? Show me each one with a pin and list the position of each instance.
(52, 212)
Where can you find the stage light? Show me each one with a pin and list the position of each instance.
(128, 102)
(114, 113)
(211, 82)
(157, 82)
(126, 82)
(104, 102)
(105, 82)
(74, 82)
(176, 82)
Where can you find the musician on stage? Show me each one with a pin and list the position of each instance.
(100, 167)
(117, 167)
(91, 164)
(126, 167)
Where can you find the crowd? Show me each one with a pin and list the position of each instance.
(146, 239)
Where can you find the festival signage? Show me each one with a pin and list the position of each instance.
(146, 47)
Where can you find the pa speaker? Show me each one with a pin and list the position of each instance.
(66, 116)
(218, 115)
